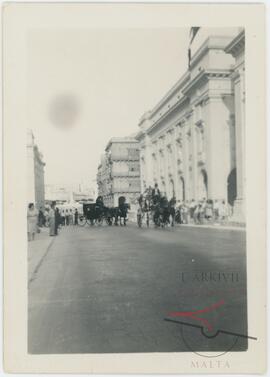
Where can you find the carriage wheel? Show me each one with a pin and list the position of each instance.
(81, 220)
(100, 221)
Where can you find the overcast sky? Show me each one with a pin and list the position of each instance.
(109, 78)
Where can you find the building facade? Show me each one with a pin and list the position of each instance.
(119, 171)
(68, 193)
(192, 141)
(58, 193)
(35, 173)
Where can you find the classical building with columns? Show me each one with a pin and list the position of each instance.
(119, 171)
(192, 142)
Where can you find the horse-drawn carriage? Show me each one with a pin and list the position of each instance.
(160, 210)
(92, 214)
(97, 213)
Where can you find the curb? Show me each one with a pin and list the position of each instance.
(32, 278)
(216, 227)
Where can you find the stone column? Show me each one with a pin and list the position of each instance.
(155, 163)
(239, 90)
(186, 162)
(175, 164)
(194, 191)
(160, 163)
(166, 163)
(142, 166)
(148, 161)
(218, 154)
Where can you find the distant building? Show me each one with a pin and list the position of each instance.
(83, 194)
(35, 173)
(119, 171)
(58, 193)
(192, 141)
(68, 193)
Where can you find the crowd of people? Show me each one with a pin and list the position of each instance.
(184, 212)
(202, 211)
(188, 211)
(51, 216)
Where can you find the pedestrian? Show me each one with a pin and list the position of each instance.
(63, 217)
(40, 218)
(58, 220)
(71, 216)
(178, 213)
(192, 207)
(196, 214)
(209, 210)
(223, 210)
(51, 219)
(46, 215)
(76, 215)
(185, 213)
(67, 217)
(216, 210)
(202, 209)
(32, 221)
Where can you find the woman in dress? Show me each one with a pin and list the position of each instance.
(51, 218)
(209, 210)
(223, 211)
(32, 220)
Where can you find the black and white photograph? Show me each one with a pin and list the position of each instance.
(136, 206)
(135, 199)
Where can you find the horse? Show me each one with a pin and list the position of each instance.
(161, 212)
(122, 213)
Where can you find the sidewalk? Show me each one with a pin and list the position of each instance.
(229, 225)
(217, 226)
(37, 251)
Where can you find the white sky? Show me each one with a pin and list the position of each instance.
(114, 75)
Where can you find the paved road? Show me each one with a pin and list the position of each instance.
(108, 289)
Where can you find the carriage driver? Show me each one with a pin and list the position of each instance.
(155, 194)
(140, 200)
(99, 202)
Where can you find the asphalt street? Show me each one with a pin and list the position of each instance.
(111, 289)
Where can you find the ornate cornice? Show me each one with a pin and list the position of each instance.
(211, 43)
(168, 112)
(237, 45)
(203, 76)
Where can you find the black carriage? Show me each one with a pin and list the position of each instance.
(97, 213)
(92, 214)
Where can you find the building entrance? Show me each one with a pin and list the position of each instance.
(202, 184)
